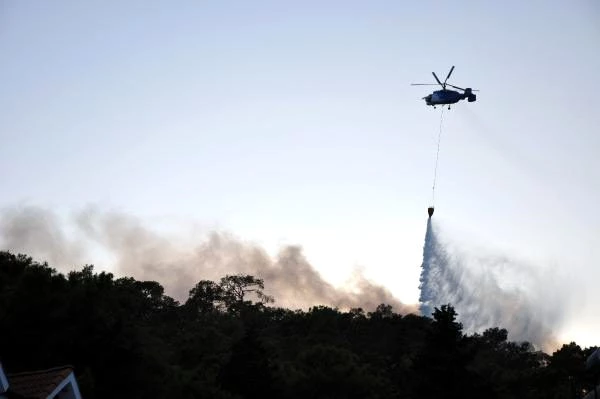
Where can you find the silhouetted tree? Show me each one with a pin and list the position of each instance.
(205, 297)
(236, 288)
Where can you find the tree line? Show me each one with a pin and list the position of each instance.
(126, 338)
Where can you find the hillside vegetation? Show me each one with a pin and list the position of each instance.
(127, 339)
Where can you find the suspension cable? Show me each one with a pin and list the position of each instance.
(437, 155)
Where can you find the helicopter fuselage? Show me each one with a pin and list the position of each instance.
(444, 97)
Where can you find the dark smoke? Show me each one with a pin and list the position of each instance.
(25, 228)
(491, 291)
(180, 263)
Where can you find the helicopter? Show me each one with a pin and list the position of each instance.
(445, 96)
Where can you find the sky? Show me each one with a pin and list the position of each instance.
(295, 123)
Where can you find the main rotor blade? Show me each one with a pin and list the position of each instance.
(459, 88)
(436, 78)
(449, 73)
(456, 87)
(423, 84)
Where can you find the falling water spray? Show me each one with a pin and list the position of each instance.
(491, 291)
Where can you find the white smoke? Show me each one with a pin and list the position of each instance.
(491, 291)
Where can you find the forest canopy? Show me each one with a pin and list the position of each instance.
(126, 338)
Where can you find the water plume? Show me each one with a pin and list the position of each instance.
(491, 291)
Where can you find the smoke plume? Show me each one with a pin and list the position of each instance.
(22, 229)
(179, 263)
(491, 291)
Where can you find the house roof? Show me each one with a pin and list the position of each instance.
(38, 384)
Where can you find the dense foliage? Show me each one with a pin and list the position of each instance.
(126, 338)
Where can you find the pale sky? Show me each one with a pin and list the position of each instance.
(295, 123)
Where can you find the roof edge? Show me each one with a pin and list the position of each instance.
(70, 379)
(4, 385)
(22, 373)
